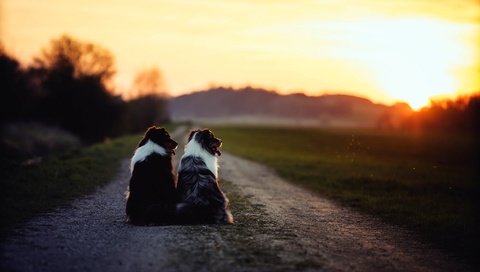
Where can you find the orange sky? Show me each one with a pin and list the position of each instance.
(387, 51)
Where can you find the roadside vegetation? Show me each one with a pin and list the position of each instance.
(69, 86)
(37, 187)
(32, 187)
(422, 181)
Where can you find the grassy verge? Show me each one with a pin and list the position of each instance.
(32, 189)
(28, 190)
(423, 182)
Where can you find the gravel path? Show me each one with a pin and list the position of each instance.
(279, 227)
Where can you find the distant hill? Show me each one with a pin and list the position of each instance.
(249, 105)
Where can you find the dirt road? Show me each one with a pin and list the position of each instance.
(279, 227)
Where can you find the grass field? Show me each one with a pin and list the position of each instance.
(424, 182)
(29, 190)
(32, 189)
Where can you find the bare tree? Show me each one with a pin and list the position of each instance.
(80, 59)
(148, 101)
(148, 82)
(76, 96)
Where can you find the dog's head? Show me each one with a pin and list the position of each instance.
(207, 141)
(161, 137)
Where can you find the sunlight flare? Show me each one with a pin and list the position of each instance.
(410, 59)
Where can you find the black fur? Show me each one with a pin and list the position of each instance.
(151, 197)
(200, 199)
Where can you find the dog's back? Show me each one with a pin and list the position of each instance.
(200, 198)
(151, 197)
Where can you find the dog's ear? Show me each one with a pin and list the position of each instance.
(147, 135)
(192, 132)
(150, 130)
(163, 130)
(207, 131)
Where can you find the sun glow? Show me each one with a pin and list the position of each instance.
(386, 51)
(410, 59)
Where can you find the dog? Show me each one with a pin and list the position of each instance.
(200, 199)
(151, 197)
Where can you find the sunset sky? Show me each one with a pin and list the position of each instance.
(387, 51)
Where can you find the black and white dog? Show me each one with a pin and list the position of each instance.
(200, 199)
(151, 196)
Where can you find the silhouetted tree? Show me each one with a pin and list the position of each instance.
(145, 111)
(460, 114)
(148, 104)
(77, 59)
(18, 95)
(10, 80)
(74, 83)
(148, 82)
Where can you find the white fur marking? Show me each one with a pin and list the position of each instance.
(194, 149)
(144, 151)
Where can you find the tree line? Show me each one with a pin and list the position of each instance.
(69, 86)
(461, 114)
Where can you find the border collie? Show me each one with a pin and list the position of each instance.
(200, 199)
(151, 192)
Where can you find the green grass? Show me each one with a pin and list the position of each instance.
(424, 182)
(29, 190)
(32, 189)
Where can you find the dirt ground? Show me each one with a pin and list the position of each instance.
(279, 227)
